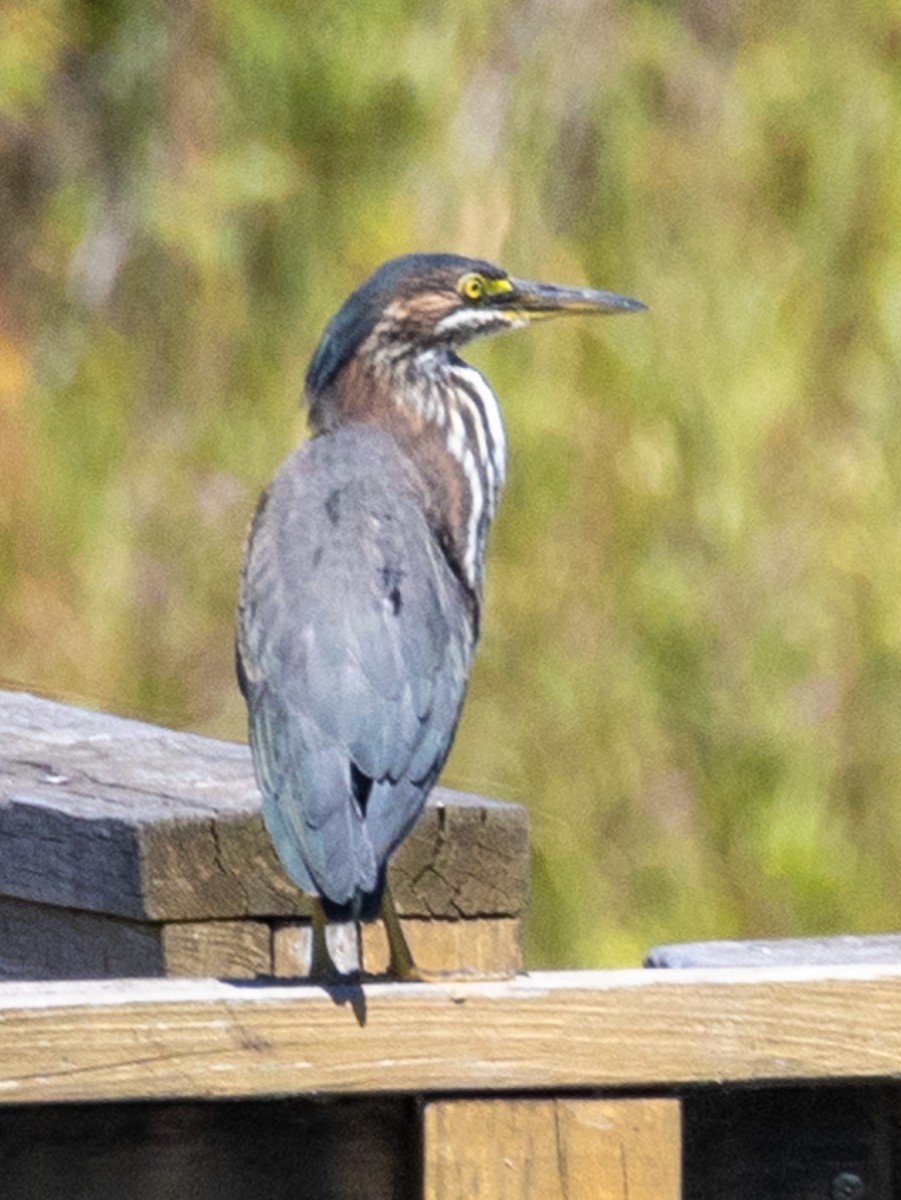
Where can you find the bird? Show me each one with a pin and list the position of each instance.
(361, 588)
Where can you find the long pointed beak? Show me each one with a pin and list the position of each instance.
(539, 300)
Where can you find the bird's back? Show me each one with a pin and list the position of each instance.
(354, 643)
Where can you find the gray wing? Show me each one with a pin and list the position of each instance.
(354, 646)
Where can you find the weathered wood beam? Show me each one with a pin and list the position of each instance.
(199, 1038)
(842, 950)
(107, 815)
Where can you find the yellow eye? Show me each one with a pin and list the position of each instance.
(472, 287)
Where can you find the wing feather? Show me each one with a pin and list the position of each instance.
(354, 640)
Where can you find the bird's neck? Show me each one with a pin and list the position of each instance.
(446, 420)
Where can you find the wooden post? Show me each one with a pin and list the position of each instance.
(128, 850)
(560, 1149)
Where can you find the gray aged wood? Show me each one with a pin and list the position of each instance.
(846, 950)
(107, 815)
(40, 941)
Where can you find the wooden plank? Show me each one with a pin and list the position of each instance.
(465, 857)
(38, 941)
(42, 942)
(780, 952)
(491, 945)
(562, 1149)
(66, 1041)
(224, 949)
(486, 944)
(103, 814)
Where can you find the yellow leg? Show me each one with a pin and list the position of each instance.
(400, 961)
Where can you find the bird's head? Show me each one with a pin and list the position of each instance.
(421, 302)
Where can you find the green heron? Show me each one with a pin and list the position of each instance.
(362, 581)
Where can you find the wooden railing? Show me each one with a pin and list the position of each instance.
(127, 850)
(587, 1084)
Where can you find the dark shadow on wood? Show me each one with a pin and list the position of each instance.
(810, 1142)
(289, 1149)
(348, 990)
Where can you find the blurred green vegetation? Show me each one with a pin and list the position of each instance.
(691, 659)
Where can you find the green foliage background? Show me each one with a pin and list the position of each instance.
(691, 660)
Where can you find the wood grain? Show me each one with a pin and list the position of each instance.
(477, 944)
(42, 942)
(561, 1149)
(183, 1038)
(107, 815)
(225, 949)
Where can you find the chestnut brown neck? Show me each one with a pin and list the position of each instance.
(446, 421)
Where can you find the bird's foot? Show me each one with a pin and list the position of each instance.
(402, 966)
(413, 973)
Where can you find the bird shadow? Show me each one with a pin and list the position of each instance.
(344, 990)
